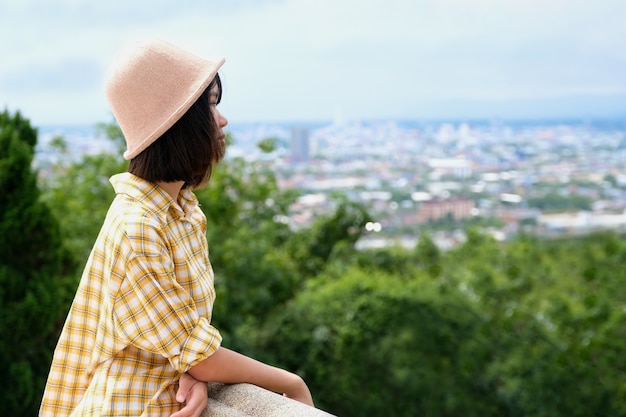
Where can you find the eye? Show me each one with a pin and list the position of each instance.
(214, 99)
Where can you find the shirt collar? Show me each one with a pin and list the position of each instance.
(152, 195)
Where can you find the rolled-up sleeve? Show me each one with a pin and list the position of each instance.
(155, 313)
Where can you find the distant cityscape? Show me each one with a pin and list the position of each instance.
(552, 178)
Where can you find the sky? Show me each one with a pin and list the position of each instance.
(319, 60)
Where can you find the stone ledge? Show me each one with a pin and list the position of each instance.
(246, 400)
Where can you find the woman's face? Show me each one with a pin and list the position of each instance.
(221, 121)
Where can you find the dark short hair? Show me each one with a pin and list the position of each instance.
(188, 150)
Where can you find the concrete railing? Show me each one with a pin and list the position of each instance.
(241, 400)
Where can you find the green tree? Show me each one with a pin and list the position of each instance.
(259, 262)
(32, 263)
(329, 235)
(550, 310)
(246, 232)
(428, 255)
(557, 202)
(79, 193)
(369, 344)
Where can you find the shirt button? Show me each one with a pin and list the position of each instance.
(188, 226)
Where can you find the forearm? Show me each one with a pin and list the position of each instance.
(230, 367)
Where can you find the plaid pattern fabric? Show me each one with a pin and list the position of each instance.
(141, 315)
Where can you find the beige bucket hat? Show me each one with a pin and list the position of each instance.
(151, 85)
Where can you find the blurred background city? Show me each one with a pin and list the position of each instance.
(551, 177)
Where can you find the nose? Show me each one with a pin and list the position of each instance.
(221, 120)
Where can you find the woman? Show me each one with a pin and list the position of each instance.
(141, 318)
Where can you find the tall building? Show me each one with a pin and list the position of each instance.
(299, 144)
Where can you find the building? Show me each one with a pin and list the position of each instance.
(456, 167)
(437, 209)
(299, 144)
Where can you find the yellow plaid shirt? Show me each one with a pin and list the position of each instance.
(142, 312)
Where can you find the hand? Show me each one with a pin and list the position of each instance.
(194, 394)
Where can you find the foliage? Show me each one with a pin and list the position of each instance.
(259, 262)
(549, 310)
(527, 328)
(557, 202)
(268, 145)
(371, 343)
(79, 193)
(32, 262)
(448, 223)
(312, 248)
(253, 273)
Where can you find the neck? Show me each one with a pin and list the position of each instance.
(172, 188)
